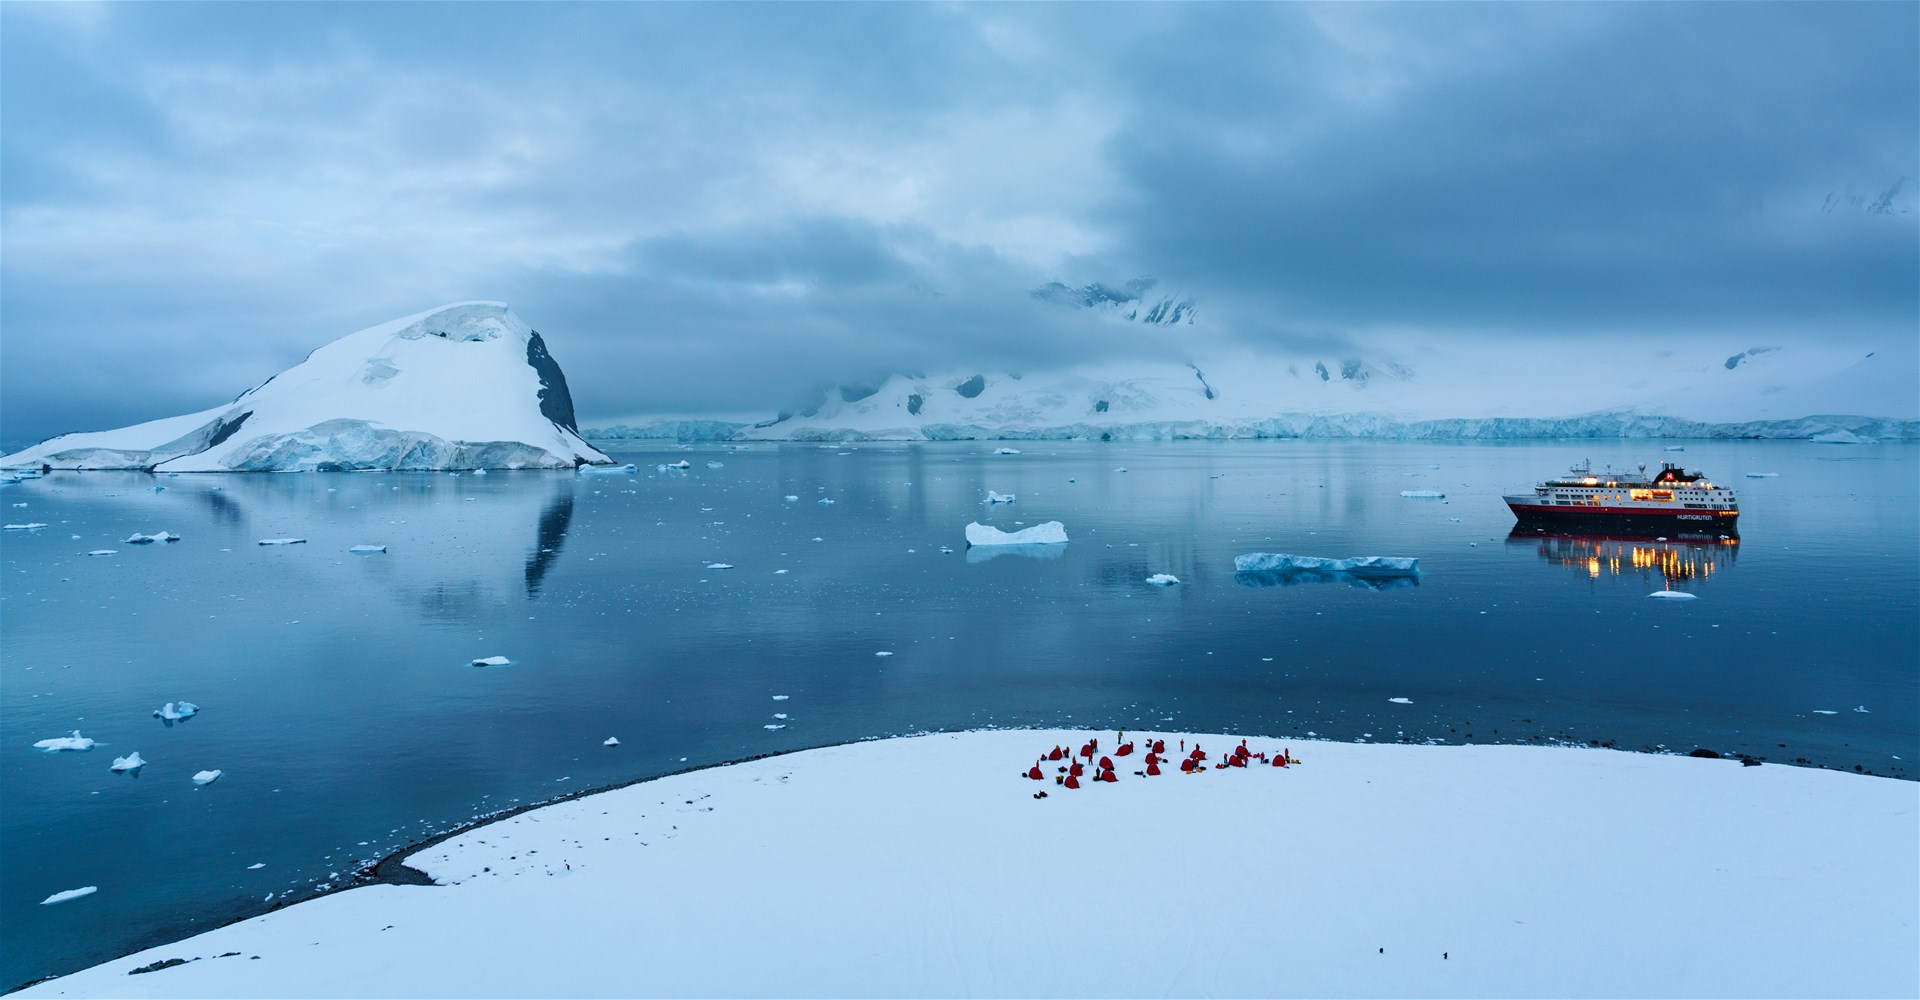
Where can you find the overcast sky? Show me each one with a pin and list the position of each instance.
(711, 208)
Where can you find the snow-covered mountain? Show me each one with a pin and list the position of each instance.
(464, 386)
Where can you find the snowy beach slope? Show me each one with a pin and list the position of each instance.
(924, 866)
(467, 385)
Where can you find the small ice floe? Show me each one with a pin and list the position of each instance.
(611, 741)
(716, 465)
(103, 552)
(1278, 562)
(779, 715)
(682, 464)
(886, 652)
(174, 711)
(479, 472)
(61, 897)
(1672, 595)
(256, 866)
(58, 743)
(159, 489)
(1423, 494)
(612, 470)
(946, 550)
(1401, 701)
(1050, 533)
(993, 497)
(492, 661)
(1120, 469)
(719, 565)
(206, 777)
(1163, 579)
(790, 498)
(1861, 709)
(825, 500)
(1675, 447)
(25, 527)
(1454, 520)
(781, 697)
(131, 762)
(774, 725)
(779, 572)
(368, 550)
(159, 536)
(1825, 711)
(1006, 451)
(1763, 475)
(283, 541)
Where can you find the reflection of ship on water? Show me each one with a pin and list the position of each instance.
(1674, 558)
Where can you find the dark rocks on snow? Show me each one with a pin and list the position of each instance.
(972, 387)
(1704, 753)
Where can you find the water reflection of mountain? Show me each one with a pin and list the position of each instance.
(1673, 559)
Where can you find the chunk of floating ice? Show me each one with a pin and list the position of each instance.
(1763, 475)
(206, 777)
(1423, 494)
(1280, 562)
(61, 897)
(368, 550)
(479, 472)
(611, 470)
(1824, 711)
(1862, 708)
(716, 465)
(131, 762)
(258, 864)
(1673, 595)
(719, 565)
(779, 572)
(174, 711)
(825, 500)
(25, 527)
(1121, 469)
(884, 653)
(781, 697)
(1163, 579)
(103, 552)
(1401, 701)
(492, 661)
(611, 741)
(73, 742)
(773, 725)
(993, 497)
(159, 536)
(790, 498)
(1050, 533)
(947, 549)
(283, 541)
(1006, 451)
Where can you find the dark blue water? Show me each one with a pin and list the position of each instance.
(339, 703)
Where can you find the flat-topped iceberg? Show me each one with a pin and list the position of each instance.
(58, 743)
(131, 762)
(609, 470)
(464, 386)
(993, 497)
(159, 536)
(1050, 533)
(1277, 562)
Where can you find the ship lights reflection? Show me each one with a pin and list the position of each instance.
(1672, 560)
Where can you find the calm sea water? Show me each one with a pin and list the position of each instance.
(339, 703)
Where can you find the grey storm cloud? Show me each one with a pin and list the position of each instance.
(720, 208)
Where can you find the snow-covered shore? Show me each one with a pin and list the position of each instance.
(925, 866)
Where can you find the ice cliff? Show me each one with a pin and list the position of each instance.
(464, 386)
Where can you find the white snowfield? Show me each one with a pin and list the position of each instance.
(455, 387)
(1410, 390)
(925, 867)
(1050, 533)
(1280, 562)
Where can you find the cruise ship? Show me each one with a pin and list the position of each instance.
(1674, 498)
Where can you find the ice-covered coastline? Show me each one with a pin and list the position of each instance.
(926, 865)
(1306, 426)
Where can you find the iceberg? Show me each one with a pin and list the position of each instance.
(159, 536)
(61, 897)
(993, 497)
(716, 465)
(206, 777)
(1423, 494)
(131, 762)
(58, 743)
(791, 498)
(611, 741)
(1163, 579)
(25, 527)
(492, 661)
(1673, 595)
(719, 565)
(174, 711)
(283, 541)
(1050, 533)
(464, 386)
(368, 550)
(103, 552)
(1274, 562)
(1006, 451)
(609, 470)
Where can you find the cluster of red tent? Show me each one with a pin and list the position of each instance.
(1070, 773)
